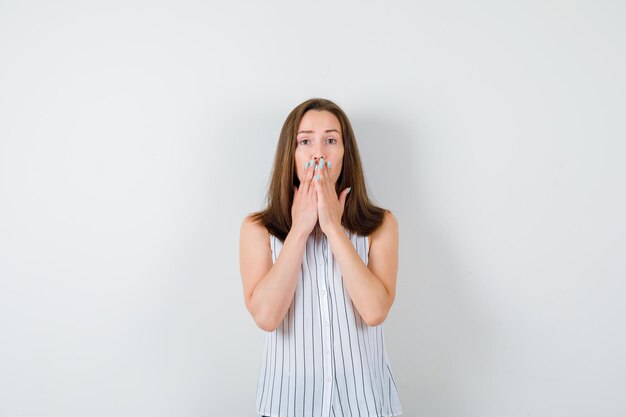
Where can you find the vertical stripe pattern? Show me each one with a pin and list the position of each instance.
(324, 360)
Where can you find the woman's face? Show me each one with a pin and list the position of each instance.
(319, 136)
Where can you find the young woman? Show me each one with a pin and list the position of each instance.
(319, 267)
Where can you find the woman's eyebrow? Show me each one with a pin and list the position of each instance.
(326, 131)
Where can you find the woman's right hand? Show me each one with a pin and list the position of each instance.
(304, 207)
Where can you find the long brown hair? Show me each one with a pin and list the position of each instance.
(360, 216)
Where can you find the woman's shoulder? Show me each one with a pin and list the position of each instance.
(253, 228)
(390, 219)
(389, 222)
(388, 229)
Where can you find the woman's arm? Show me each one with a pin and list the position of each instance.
(372, 288)
(269, 288)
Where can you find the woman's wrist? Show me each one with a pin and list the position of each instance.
(334, 229)
(299, 232)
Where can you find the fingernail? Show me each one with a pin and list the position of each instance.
(306, 165)
(349, 188)
(317, 177)
(328, 163)
(311, 162)
(315, 169)
(321, 162)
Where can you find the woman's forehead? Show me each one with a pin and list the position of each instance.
(315, 121)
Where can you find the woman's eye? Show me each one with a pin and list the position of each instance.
(304, 140)
(333, 140)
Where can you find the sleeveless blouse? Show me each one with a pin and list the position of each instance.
(323, 360)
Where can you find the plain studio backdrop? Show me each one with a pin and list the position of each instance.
(135, 136)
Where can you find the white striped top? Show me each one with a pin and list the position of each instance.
(323, 360)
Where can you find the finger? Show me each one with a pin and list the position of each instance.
(296, 197)
(319, 174)
(308, 177)
(342, 198)
(327, 178)
(315, 171)
(317, 180)
(323, 179)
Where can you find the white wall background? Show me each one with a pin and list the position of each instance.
(135, 136)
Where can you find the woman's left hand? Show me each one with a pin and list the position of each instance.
(329, 206)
